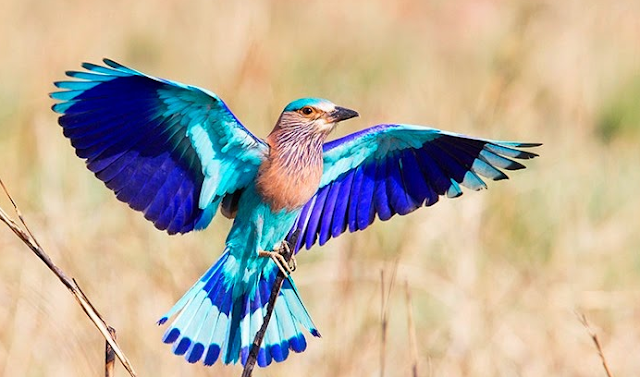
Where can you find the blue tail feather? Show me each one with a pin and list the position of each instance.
(216, 319)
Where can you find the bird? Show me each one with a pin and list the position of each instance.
(177, 153)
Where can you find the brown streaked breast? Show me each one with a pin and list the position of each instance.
(288, 187)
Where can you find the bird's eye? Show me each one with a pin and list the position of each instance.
(307, 110)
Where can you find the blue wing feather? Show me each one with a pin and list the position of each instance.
(450, 167)
(432, 172)
(399, 198)
(328, 212)
(462, 158)
(354, 198)
(416, 187)
(365, 208)
(316, 214)
(157, 143)
(339, 222)
(380, 198)
(395, 169)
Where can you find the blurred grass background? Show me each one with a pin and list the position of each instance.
(495, 276)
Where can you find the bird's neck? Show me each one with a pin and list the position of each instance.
(296, 151)
(290, 175)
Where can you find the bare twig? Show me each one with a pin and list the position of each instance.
(412, 332)
(109, 356)
(27, 237)
(277, 284)
(583, 319)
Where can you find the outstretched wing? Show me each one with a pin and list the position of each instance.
(169, 150)
(394, 169)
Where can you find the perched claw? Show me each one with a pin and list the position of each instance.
(285, 249)
(278, 257)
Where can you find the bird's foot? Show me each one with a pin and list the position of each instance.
(285, 250)
(278, 257)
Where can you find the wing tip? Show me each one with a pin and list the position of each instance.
(110, 67)
(529, 145)
(525, 155)
(88, 66)
(510, 149)
(72, 74)
(454, 194)
(62, 107)
(111, 63)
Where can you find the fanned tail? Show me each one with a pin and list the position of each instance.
(220, 314)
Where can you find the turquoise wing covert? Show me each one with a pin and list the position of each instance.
(395, 169)
(169, 150)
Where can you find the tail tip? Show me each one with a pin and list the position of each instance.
(182, 346)
(212, 354)
(171, 336)
(196, 353)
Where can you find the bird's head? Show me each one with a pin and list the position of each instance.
(313, 114)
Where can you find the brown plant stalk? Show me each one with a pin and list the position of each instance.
(413, 342)
(22, 231)
(583, 319)
(384, 314)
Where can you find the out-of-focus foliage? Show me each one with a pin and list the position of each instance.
(620, 117)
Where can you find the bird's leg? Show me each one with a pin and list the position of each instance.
(278, 257)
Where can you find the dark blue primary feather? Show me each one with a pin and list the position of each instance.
(169, 150)
(394, 169)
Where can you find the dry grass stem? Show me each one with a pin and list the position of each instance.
(110, 356)
(27, 237)
(384, 314)
(383, 324)
(257, 340)
(412, 332)
(583, 319)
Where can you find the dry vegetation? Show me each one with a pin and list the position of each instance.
(494, 277)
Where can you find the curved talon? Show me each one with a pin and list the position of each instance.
(292, 263)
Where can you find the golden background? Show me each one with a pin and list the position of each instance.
(495, 277)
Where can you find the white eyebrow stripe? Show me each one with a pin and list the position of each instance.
(327, 107)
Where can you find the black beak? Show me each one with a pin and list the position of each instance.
(340, 114)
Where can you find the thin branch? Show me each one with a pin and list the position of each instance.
(17, 211)
(583, 319)
(109, 356)
(27, 237)
(277, 284)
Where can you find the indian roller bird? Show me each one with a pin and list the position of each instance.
(177, 154)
